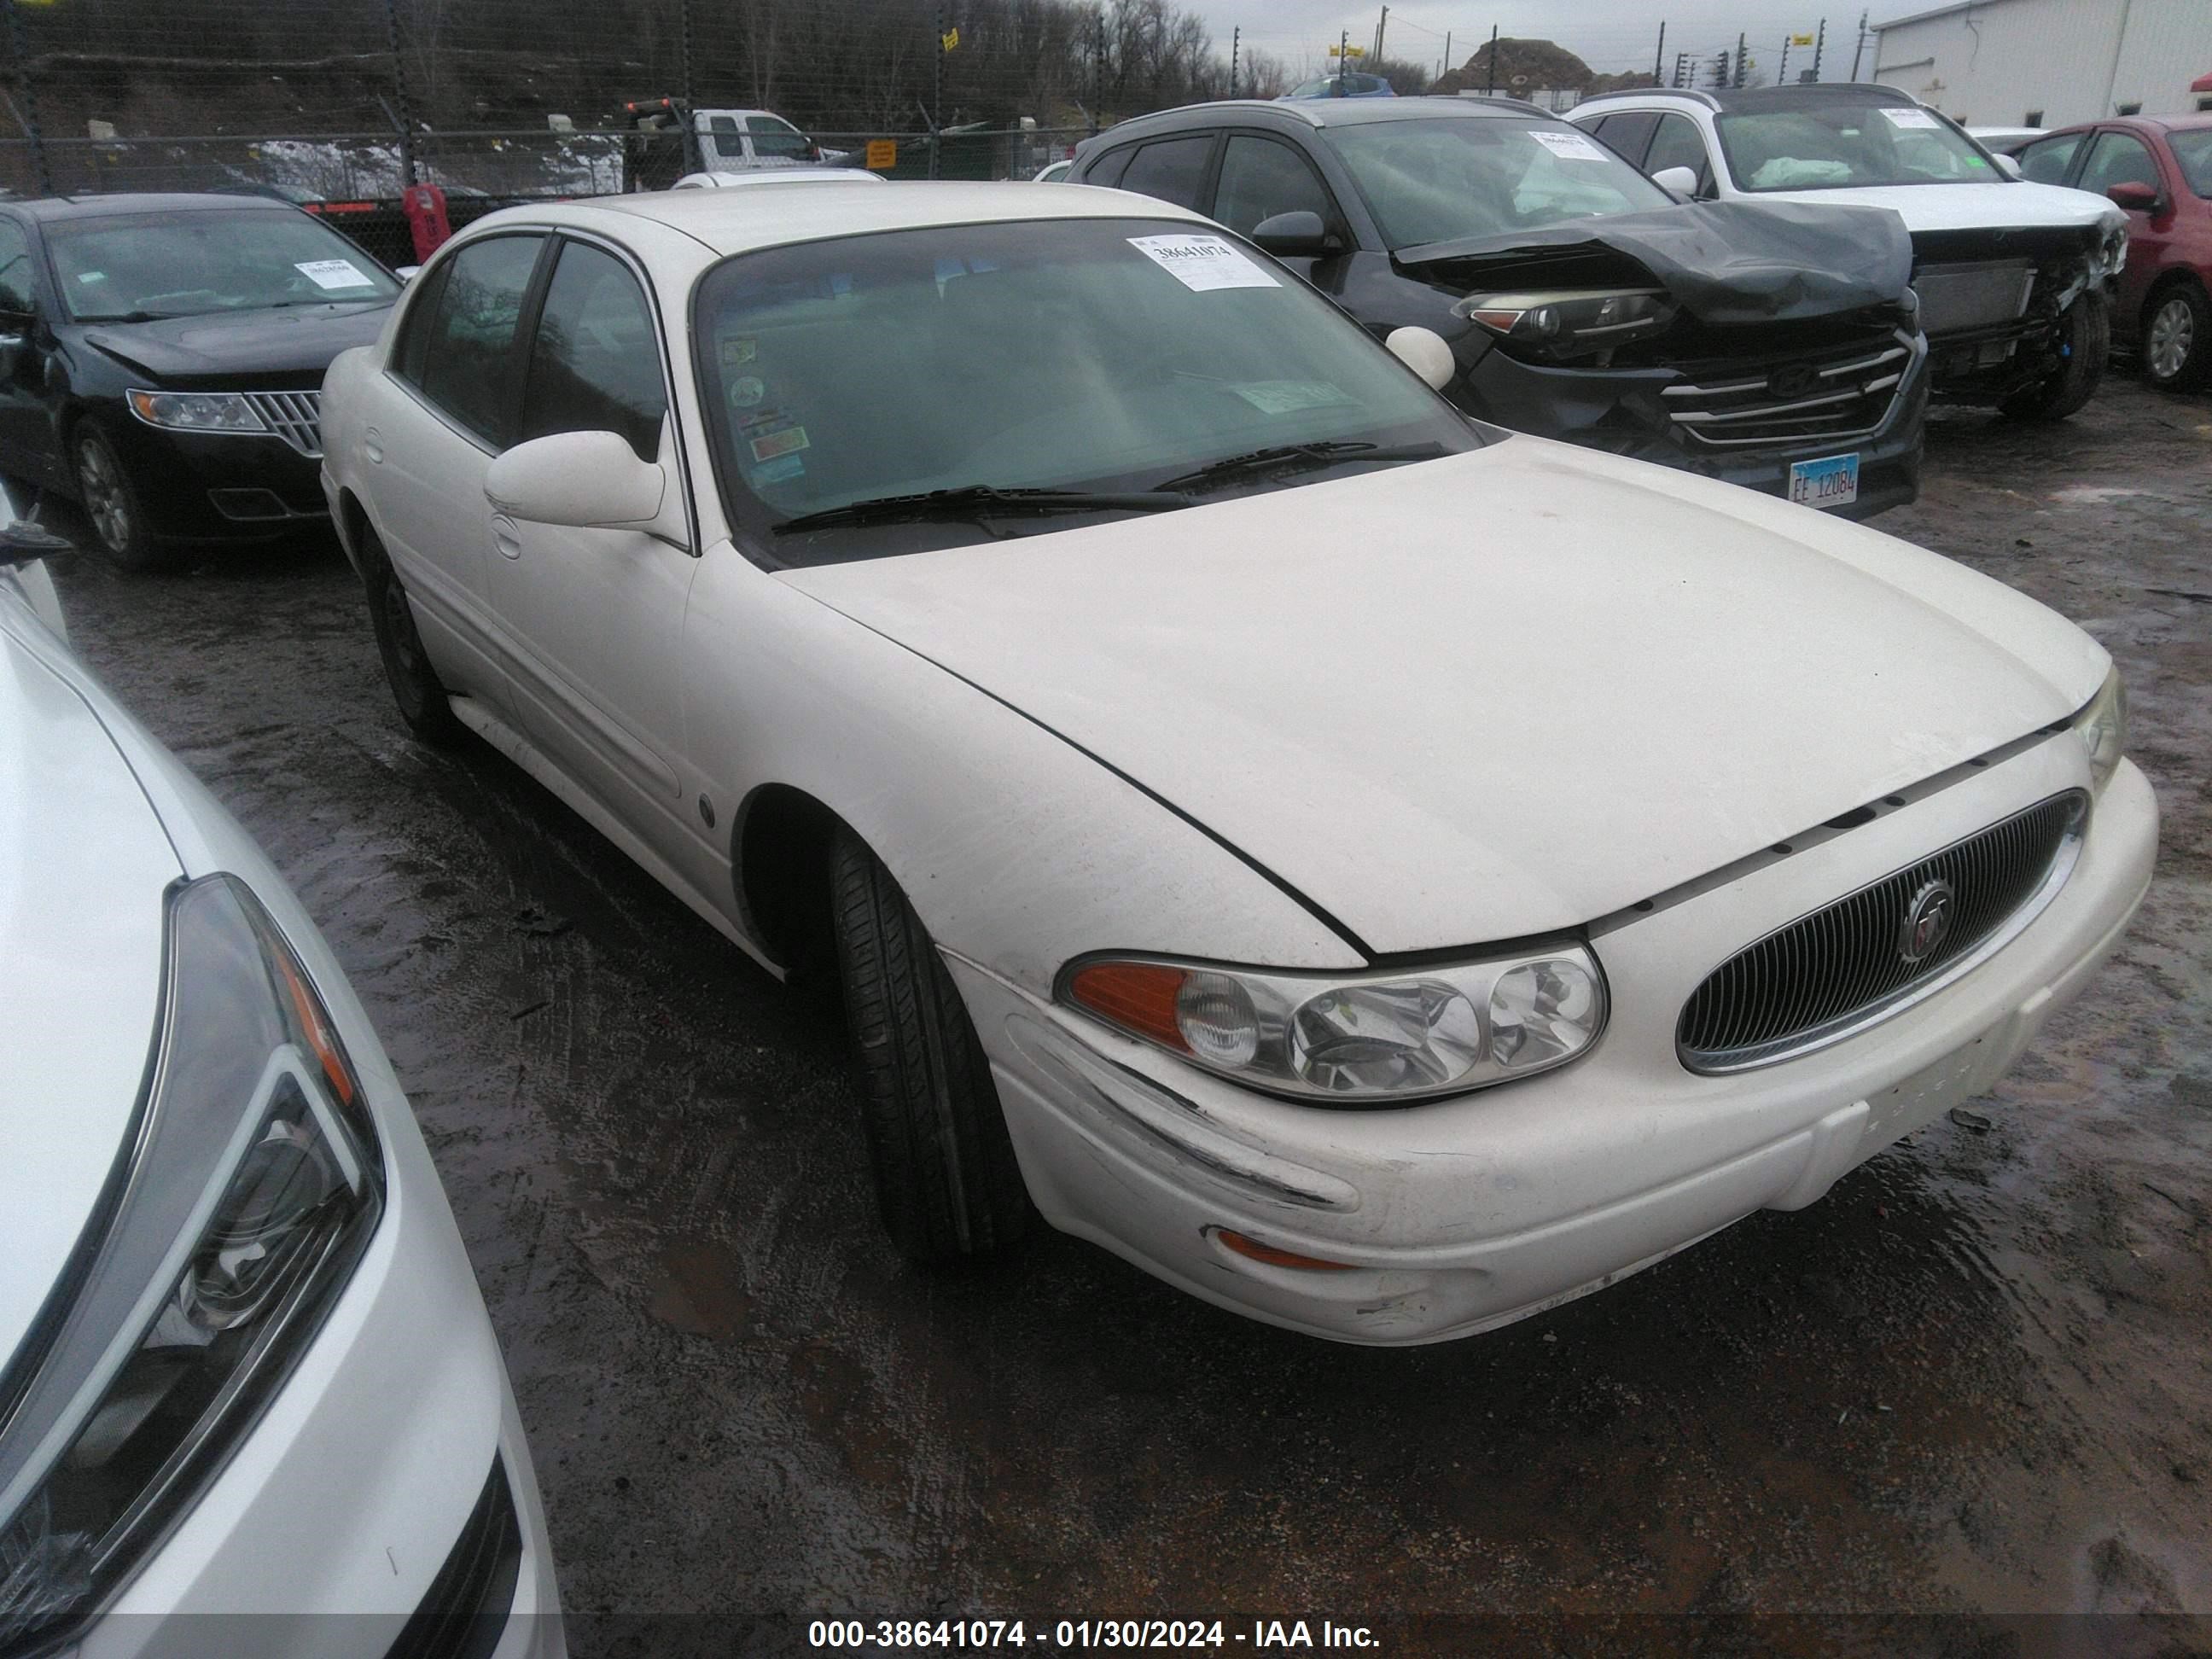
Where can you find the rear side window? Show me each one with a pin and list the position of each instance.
(1174, 170)
(2045, 161)
(420, 323)
(595, 363)
(469, 366)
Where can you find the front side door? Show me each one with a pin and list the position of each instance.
(592, 618)
(1678, 144)
(446, 408)
(2122, 158)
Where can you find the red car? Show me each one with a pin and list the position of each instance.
(2160, 170)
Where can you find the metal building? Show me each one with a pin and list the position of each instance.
(2049, 63)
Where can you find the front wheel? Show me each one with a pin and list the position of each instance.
(2177, 339)
(424, 701)
(2085, 341)
(111, 505)
(946, 1183)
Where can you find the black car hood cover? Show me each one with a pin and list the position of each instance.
(247, 345)
(1724, 261)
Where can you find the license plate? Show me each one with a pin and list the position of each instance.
(1832, 482)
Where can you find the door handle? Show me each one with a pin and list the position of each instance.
(372, 445)
(505, 536)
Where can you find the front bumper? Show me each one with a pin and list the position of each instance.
(220, 486)
(1468, 1213)
(1625, 412)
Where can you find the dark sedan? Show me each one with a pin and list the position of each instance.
(2160, 171)
(1771, 346)
(161, 363)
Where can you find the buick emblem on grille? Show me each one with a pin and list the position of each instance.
(1791, 380)
(1927, 923)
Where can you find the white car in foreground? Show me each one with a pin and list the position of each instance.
(244, 1367)
(1381, 873)
(2013, 277)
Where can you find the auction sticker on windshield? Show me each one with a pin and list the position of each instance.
(1833, 481)
(1570, 146)
(332, 273)
(1911, 117)
(1202, 263)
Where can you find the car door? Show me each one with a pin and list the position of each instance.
(446, 410)
(2122, 158)
(27, 448)
(592, 618)
(1678, 144)
(1260, 176)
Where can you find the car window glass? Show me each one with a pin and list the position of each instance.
(1437, 180)
(17, 290)
(2045, 161)
(420, 325)
(1678, 144)
(1263, 177)
(1848, 142)
(2192, 151)
(208, 262)
(1627, 133)
(723, 124)
(2118, 159)
(595, 361)
(1110, 166)
(779, 140)
(1173, 170)
(469, 366)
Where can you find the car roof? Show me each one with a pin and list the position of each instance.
(783, 178)
(101, 207)
(2154, 123)
(1753, 100)
(1319, 113)
(735, 221)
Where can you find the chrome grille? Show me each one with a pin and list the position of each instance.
(1832, 396)
(295, 416)
(1830, 973)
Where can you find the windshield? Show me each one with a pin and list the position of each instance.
(1082, 354)
(1843, 146)
(1340, 86)
(1442, 179)
(2192, 148)
(190, 264)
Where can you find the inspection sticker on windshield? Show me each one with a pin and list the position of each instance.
(332, 273)
(1202, 263)
(1568, 146)
(1911, 117)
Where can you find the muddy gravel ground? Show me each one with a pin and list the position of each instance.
(1971, 1381)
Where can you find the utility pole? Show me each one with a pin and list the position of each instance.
(1448, 65)
(937, 94)
(1659, 57)
(1236, 36)
(1819, 41)
(686, 39)
(1493, 59)
(1097, 68)
(1380, 23)
(1343, 44)
(1859, 48)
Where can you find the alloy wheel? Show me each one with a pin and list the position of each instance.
(105, 502)
(2172, 334)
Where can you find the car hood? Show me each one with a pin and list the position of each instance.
(1493, 694)
(83, 865)
(2009, 204)
(1723, 262)
(249, 346)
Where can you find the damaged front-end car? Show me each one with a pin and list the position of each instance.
(2020, 316)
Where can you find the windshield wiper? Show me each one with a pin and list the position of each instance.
(1300, 457)
(979, 502)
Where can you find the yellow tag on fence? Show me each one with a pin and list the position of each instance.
(883, 153)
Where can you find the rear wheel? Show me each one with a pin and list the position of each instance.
(947, 1185)
(2085, 341)
(2178, 338)
(423, 698)
(112, 507)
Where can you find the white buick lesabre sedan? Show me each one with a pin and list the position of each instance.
(250, 1404)
(1379, 873)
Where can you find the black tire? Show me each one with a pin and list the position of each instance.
(947, 1185)
(2177, 338)
(2085, 336)
(423, 698)
(113, 509)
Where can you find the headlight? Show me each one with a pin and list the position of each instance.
(1571, 322)
(1384, 1038)
(197, 412)
(250, 1184)
(2104, 728)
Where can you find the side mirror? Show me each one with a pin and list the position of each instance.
(587, 480)
(2135, 198)
(1424, 351)
(1299, 235)
(24, 543)
(2008, 165)
(1681, 181)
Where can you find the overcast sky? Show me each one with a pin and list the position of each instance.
(1607, 35)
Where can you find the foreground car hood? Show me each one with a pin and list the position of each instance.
(250, 345)
(1494, 695)
(1723, 262)
(83, 862)
(2015, 204)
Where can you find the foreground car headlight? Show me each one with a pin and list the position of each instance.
(251, 1183)
(2104, 728)
(1383, 1038)
(197, 412)
(1571, 322)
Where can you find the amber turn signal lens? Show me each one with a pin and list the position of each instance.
(1275, 1258)
(1139, 996)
